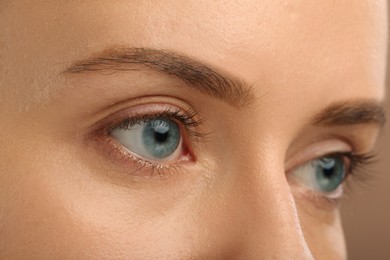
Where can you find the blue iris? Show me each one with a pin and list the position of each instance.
(161, 137)
(330, 173)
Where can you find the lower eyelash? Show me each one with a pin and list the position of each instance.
(359, 161)
(119, 154)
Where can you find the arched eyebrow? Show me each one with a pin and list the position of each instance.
(193, 73)
(352, 113)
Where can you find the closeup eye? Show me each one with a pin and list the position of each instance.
(157, 139)
(154, 135)
(324, 175)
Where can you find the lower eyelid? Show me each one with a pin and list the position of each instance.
(131, 165)
(320, 201)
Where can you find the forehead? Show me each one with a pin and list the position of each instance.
(317, 45)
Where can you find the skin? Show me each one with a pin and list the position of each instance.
(62, 197)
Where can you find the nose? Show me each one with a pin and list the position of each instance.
(271, 224)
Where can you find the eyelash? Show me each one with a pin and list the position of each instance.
(188, 119)
(189, 122)
(358, 168)
(358, 161)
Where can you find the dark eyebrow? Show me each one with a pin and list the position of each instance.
(194, 73)
(352, 113)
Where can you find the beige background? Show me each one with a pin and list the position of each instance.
(366, 210)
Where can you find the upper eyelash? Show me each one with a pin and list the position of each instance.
(359, 161)
(189, 119)
(358, 171)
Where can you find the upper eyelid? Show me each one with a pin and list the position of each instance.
(189, 119)
(140, 119)
(317, 150)
(349, 155)
(119, 112)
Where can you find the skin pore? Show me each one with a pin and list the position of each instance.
(258, 88)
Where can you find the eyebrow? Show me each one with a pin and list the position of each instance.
(194, 73)
(352, 113)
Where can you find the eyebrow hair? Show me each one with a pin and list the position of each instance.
(192, 72)
(352, 113)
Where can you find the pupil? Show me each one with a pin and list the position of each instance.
(328, 173)
(160, 130)
(328, 166)
(161, 137)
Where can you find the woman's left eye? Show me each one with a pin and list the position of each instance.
(324, 175)
(158, 139)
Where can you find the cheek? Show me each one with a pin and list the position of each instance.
(56, 208)
(36, 221)
(53, 203)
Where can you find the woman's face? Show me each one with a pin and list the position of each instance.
(184, 129)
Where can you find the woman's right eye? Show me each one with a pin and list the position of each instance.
(158, 139)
